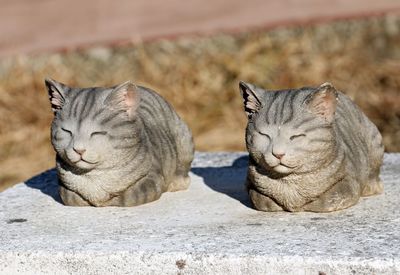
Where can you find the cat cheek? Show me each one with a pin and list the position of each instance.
(57, 136)
(59, 149)
(261, 142)
(61, 136)
(93, 157)
(249, 140)
(60, 143)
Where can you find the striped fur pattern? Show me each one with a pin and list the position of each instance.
(118, 146)
(311, 149)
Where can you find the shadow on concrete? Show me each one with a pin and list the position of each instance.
(47, 183)
(228, 180)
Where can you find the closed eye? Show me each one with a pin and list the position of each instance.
(264, 134)
(67, 131)
(297, 136)
(99, 133)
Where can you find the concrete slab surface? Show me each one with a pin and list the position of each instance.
(208, 229)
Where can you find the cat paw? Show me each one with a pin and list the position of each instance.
(263, 203)
(179, 183)
(373, 187)
(71, 198)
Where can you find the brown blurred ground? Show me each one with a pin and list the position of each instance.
(34, 26)
(199, 76)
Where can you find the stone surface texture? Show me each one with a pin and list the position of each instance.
(208, 229)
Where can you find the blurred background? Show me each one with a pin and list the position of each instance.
(193, 53)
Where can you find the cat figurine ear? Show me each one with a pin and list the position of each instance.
(56, 92)
(251, 102)
(124, 97)
(323, 101)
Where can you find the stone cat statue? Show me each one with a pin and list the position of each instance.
(118, 146)
(311, 149)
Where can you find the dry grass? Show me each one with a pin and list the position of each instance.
(199, 76)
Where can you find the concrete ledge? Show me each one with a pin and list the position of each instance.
(208, 229)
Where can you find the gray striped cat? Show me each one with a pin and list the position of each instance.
(311, 149)
(118, 146)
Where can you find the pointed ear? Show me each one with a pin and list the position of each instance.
(251, 102)
(56, 92)
(124, 97)
(323, 101)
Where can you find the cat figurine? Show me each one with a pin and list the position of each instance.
(118, 146)
(310, 149)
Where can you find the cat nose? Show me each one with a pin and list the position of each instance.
(278, 156)
(79, 151)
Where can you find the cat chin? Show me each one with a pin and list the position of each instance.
(83, 165)
(281, 169)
